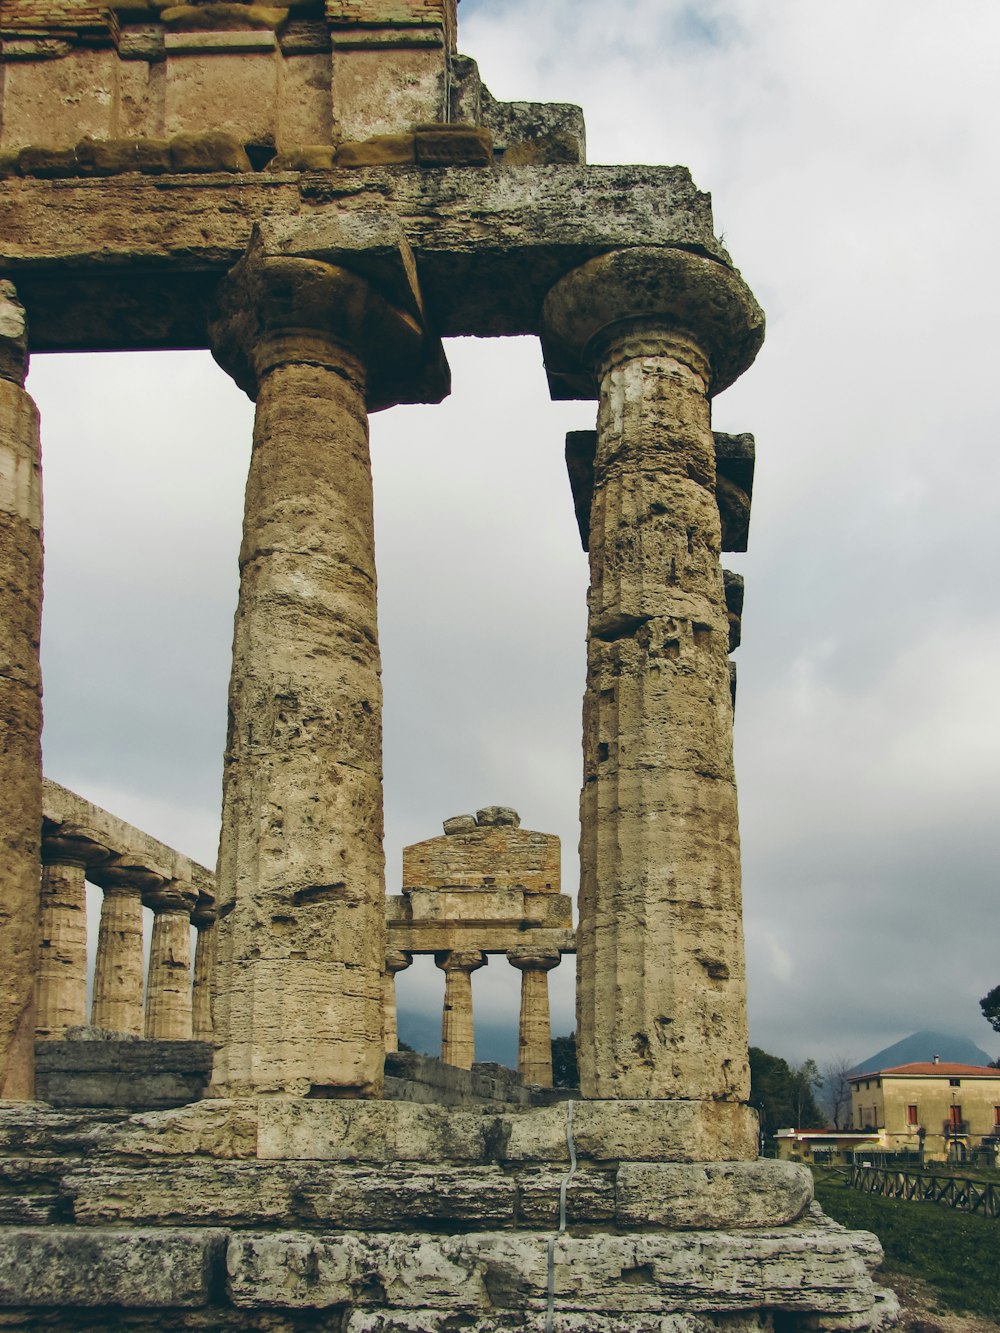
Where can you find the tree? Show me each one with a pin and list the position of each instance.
(836, 1096)
(564, 1070)
(783, 1095)
(990, 1005)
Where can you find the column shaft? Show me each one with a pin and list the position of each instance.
(168, 988)
(204, 969)
(395, 961)
(458, 1041)
(534, 1037)
(118, 969)
(20, 703)
(300, 1006)
(661, 977)
(390, 1025)
(62, 955)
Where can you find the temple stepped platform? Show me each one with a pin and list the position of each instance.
(290, 1213)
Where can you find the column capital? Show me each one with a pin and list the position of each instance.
(397, 961)
(460, 960)
(72, 845)
(173, 896)
(332, 300)
(123, 874)
(205, 913)
(534, 960)
(646, 294)
(13, 335)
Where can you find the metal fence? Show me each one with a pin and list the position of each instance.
(961, 1192)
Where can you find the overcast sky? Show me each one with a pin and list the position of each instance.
(851, 152)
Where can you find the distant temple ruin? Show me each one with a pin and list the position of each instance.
(320, 193)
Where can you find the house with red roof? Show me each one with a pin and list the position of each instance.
(948, 1110)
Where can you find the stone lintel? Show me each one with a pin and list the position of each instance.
(734, 468)
(433, 936)
(488, 244)
(231, 42)
(130, 851)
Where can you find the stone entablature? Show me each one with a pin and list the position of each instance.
(80, 841)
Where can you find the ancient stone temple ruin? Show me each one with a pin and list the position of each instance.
(320, 193)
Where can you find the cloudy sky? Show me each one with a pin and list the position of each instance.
(850, 149)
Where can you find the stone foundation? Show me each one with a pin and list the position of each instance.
(281, 1213)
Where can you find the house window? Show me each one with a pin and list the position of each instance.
(955, 1112)
(996, 1115)
(954, 1083)
(911, 1114)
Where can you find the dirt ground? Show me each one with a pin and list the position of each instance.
(920, 1311)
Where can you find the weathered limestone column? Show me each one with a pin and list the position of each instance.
(395, 961)
(458, 1039)
(203, 919)
(118, 969)
(534, 1034)
(168, 986)
(661, 990)
(61, 1001)
(301, 896)
(20, 702)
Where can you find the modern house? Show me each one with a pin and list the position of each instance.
(946, 1109)
(824, 1145)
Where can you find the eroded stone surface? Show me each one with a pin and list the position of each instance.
(806, 1269)
(82, 1266)
(20, 701)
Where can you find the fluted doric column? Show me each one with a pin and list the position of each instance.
(62, 946)
(168, 984)
(204, 919)
(458, 1038)
(395, 961)
(661, 993)
(20, 702)
(534, 1033)
(301, 896)
(118, 969)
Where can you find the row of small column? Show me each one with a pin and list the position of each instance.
(534, 1046)
(177, 1005)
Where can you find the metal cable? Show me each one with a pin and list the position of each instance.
(563, 1188)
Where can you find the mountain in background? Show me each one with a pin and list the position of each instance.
(922, 1046)
(496, 1043)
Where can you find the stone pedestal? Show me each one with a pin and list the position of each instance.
(394, 962)
(661, 992)
(301, 895)
(118, 971)
(168, 985)
(534, 1035)
(62, 948)
(20, 701)
(458, 1038)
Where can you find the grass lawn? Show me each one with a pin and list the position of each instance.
(958, 1255)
